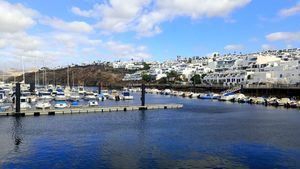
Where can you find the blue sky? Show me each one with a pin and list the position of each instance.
(60, 32)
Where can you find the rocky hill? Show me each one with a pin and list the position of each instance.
(89, 75)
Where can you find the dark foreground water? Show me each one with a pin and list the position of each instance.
(204, 134)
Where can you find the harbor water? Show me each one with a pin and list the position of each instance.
(204, 134)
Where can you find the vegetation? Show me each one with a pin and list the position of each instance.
(196, 79)
(146, 77)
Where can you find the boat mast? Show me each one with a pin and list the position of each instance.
(35, 71)
(73, 78)
(54, 77)
(23, 69)
(68, 77)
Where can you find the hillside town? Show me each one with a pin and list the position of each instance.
(280, 67)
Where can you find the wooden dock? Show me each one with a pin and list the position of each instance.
(79, 110)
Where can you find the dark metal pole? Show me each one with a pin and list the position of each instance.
(99, 88)
(32, 88)
(143, 95)
(18, 97)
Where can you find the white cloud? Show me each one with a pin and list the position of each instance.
(290, 11)
(15, 17)
(74, 26)
(234, 47)
(126, 50)
(80, 12)
(145, 16)
(267, 47)
(2, 43)
(284, 36)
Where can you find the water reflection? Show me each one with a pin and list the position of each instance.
(17, 132)
(204, 134)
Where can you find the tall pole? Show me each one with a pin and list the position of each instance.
(23, 69)
(73, 78)
(143, 95)
(54, 77)
(18, 97)
(68, 77)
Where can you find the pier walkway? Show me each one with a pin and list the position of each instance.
(78, 110)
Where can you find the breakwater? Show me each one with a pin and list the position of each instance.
(250, 90)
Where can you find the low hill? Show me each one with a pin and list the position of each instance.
(89, 75)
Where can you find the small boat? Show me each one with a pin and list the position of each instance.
(166, 92)
(206, 96)
(45, 95)
(74, 96)
(259, 100)
(93, 103)
(239, 98)
(114, 95)
(44, 104)
(282, 102)
(127, 96)
(298, 104)
(81, 90)
(272, 101)
(2, 96)
(89, 96)
(30, 98)
(60, 96)
(105, 93)
(227, 97)
(180, 93)
(291, 104)
(24, 105)
(74, 103)
(186, 94)
(61, 105)
(194, 95)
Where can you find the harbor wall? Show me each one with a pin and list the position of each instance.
(277, 91)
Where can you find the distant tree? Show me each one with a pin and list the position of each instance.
(197, 79)
(146, 66)
(173, 75)
(146, 77)
(203, 76)
(163, 80)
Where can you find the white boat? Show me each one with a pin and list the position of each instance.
(43, 104)
(24, 105)
(74, 96)
(2, 96)
(127, 96)
(272, 101)
(292, 104)
(81, 90)
(114, 95)
(45, 95)
(89, 96)
(60, 96)
(194, 95)
(298, 104)
(105, 93)
(166, 92)
(61, 105)
(180, 93)
(283, 101)
(229, 97)
(93, 103)
(239, 97)
(259, 100)
(30, 98)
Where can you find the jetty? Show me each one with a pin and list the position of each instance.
(81, 110)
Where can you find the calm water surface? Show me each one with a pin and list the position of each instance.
(204, 134)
